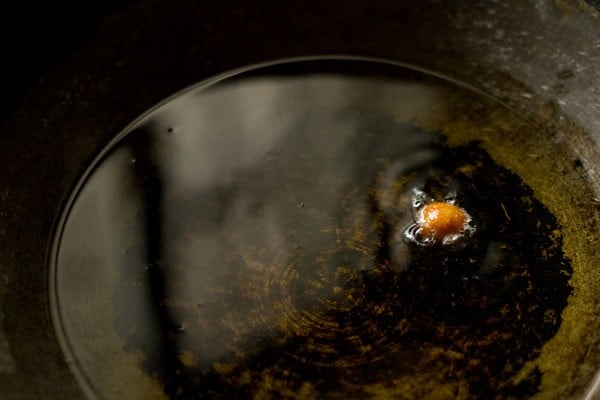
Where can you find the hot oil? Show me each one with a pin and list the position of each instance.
(245, 240)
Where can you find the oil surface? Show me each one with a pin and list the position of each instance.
(245, 241)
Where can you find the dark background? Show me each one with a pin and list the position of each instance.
(36, 37)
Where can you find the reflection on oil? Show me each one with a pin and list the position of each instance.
(249, 241)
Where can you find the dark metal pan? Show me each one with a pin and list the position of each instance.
(538, 59)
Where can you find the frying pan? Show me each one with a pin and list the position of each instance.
(540, 58)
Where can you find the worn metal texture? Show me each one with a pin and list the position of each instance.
(540, 58)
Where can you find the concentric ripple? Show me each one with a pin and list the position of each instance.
(247, 240)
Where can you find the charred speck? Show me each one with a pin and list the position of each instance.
(565, 74)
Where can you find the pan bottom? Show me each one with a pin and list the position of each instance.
(243, 239)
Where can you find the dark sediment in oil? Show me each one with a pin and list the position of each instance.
(348, 317)
(258, 252)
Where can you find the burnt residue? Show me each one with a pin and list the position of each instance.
(498, 300)
(469, 318)
(307, 288)
(565, 74)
